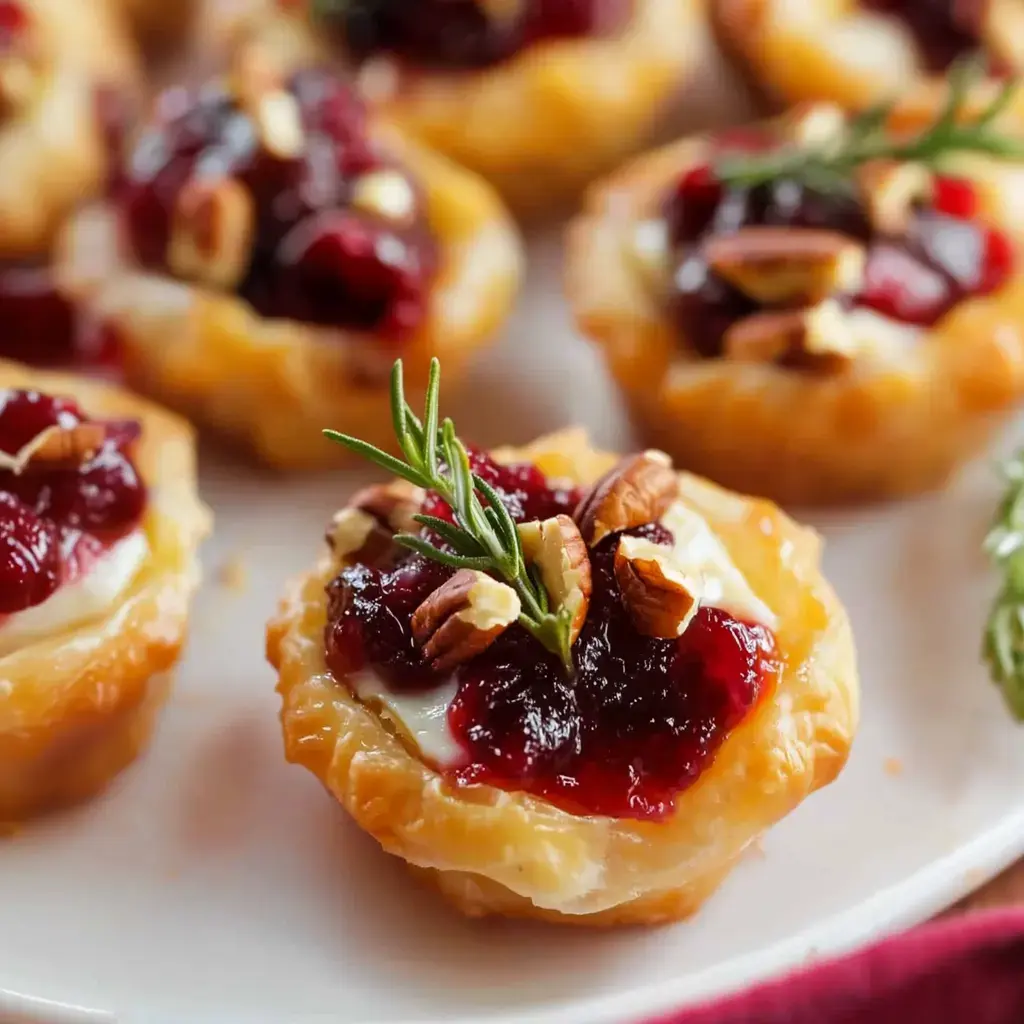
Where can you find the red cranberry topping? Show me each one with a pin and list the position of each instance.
(463, 34)
(14, 22)
(636, 726)
(315, 257)
(944, 29)
(944, 258)
(53, 521)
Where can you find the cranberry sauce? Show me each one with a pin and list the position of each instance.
(467, 34)
(639, 722)
(315, 256)
(56, 518)
(944, 29)
(944, 257)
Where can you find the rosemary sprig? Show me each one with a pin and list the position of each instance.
(484, 536)
(1004, 632)
(827, 168)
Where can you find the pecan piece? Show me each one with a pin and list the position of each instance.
(890, 189)
(776, 264)
(387, 194)
(816, 125)
(358, 536)
(660, 598)
(212, 233)
(57, 448)
(393, 504)
(1000, 23)
(557, 548)
(819, 336)
(463, 617)
(638, 490)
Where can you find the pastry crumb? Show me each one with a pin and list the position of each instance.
(233, 574)
(893, 767)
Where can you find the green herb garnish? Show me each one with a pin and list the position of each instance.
(828, 168)
(1004, 633)
(484, 536)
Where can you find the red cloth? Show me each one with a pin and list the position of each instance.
(968, 969)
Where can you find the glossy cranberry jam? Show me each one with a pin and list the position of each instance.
(467, 34)
(639, 722)
(944, 29)
(57, 519)
(315, 256)
(945, 256)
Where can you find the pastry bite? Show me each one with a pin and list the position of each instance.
(799, 311)
(539, 96)
(559, 683)
(99, 525)
(161, 24)
(283, 249)
(858, 52)
(67, 84)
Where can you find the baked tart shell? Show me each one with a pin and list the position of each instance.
(542, 124)
(273, 385)
(786, 64)
(879, 430)
(493, 852)
(80, 705)
(53, 153)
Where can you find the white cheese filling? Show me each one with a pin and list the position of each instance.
(423, 716)
(86, 598)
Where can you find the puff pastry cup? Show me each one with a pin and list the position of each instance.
(858, 52)
(548, 118)
(268, 378)
(504, 851)
(78, 701)
(904, 375)
(61, 57)
(161, 24)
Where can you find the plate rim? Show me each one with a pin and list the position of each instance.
(918, 897)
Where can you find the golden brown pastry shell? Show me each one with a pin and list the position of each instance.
(161, 24)
(494, 852)
(879, 430)
(785, 65)
(53, 154)
(80, 705)
(544, 123)
(274, 385)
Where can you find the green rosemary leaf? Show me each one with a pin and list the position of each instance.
(430, 418)
(464, 543)
(425, 548)
(1003, 647)
(373, 454)
(539, 588)
(828, 169)
(504, 524)
(399, 406)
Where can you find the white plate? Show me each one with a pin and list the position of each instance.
(214, 883)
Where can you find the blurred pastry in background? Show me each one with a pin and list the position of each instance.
(99, 527)
(539, 96)
(68, 81)
(801, 310)
(858, 52)
(284, 248)
(161, 25)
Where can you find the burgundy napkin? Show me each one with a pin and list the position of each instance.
(968, 969)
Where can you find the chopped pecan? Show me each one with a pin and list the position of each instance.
(386, 193)
(820, 336)
(57, 448)
(777, 264)
(638, 490)
(557, 548)
(212, 233)
(463, 617)
(816, 125)
(393, 504)
(358, 536)
(1001, 28)
(660, 598)
(890, 189)
(278, 120)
